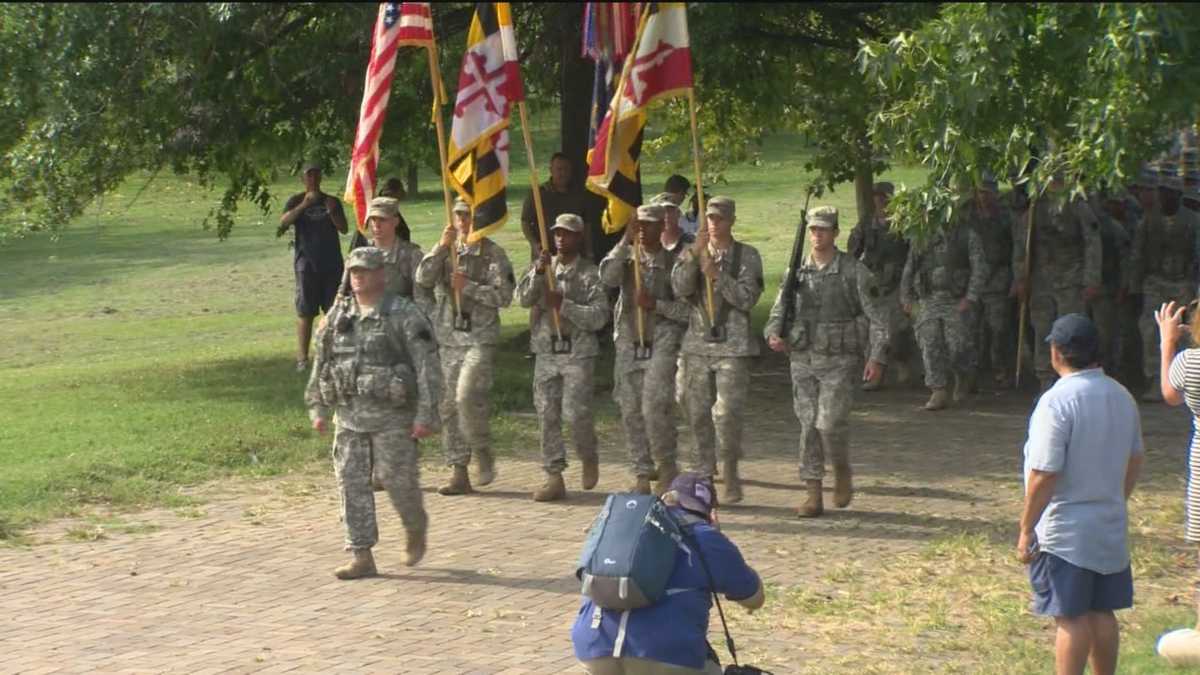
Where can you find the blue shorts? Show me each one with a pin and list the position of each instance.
(1063, 589)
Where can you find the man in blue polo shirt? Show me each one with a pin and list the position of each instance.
(669, 638)
(1082, 460)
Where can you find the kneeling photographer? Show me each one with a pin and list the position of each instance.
(669, 636)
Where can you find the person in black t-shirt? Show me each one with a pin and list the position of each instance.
(318, 218)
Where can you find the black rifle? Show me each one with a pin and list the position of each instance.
(789, 284)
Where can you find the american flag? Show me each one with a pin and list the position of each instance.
(397, 25)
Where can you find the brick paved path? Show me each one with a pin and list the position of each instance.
(245, 584)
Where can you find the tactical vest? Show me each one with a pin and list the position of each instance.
(945, 267)
(366, 359)
(826, 309)
(884, 254)
(1058, 236)
(1170, 251)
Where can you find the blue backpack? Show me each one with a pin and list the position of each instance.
(629, 552)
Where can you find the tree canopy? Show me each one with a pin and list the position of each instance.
(234, 93)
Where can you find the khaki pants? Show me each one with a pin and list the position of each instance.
(630, 666)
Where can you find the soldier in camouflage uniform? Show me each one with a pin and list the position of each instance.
(1163, 267)
(644, 370)
(832, 291)
(1065, 266)
(467, 338)
(377, 371)
(993, 223)
(715, 369)
(945, 279)
(884, 252)
(565, 357)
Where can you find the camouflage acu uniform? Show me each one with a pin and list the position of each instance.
(1066, 252)
(562, 383)
(401, 264)
(825, 352)
(884, 252)
(1163, 267)
(992, 316)
(644, 388)
(468, 356)
(937, 277)
(377, 371)
(714, 376)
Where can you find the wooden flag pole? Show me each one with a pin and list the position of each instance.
(637, 288)
(537, 205)
(1029, 220)
(435, 78)
(708, 288)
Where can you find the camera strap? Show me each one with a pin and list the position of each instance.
(712, 587)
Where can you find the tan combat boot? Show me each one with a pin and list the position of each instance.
(733, 482)
(843, 487)
(485, 467)
(460, 482)
(641, 486)
(814, 505)
(414, 547)
(553, 490)
(667, 471)
(591, 473)
(937, 400)
(363, 565)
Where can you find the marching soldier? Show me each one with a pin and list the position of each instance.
(884, 252)
(377, 371)
(644, 371)
(468, 331)
(1163, 268)
(565, 352)
(832, 291)
(716, 348)
(945, 280)
(1064, 269)
(993, 223)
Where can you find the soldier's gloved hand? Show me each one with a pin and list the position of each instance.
(1091, 293)
(542, 262)
(420, 431)
(320, 425)
(776, 344)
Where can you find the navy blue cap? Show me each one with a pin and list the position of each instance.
(696, 492)
(1074, 332)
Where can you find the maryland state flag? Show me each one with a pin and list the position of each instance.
(659, 67)
(488, 86)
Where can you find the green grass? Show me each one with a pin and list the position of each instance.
(143, 355)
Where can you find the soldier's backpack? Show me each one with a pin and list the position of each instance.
(629, 552)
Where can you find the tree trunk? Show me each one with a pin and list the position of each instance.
(412, 180)
(864, 193)
(575, 91)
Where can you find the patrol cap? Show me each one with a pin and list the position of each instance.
(721, 206)
(311, 165)
(568, 221)
(884, 188)
(695, 492)
(824, 217)
(384, 207)
(665, 200)
(461, 206)
(651, 213)
(1075, 333)
(365, 257)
